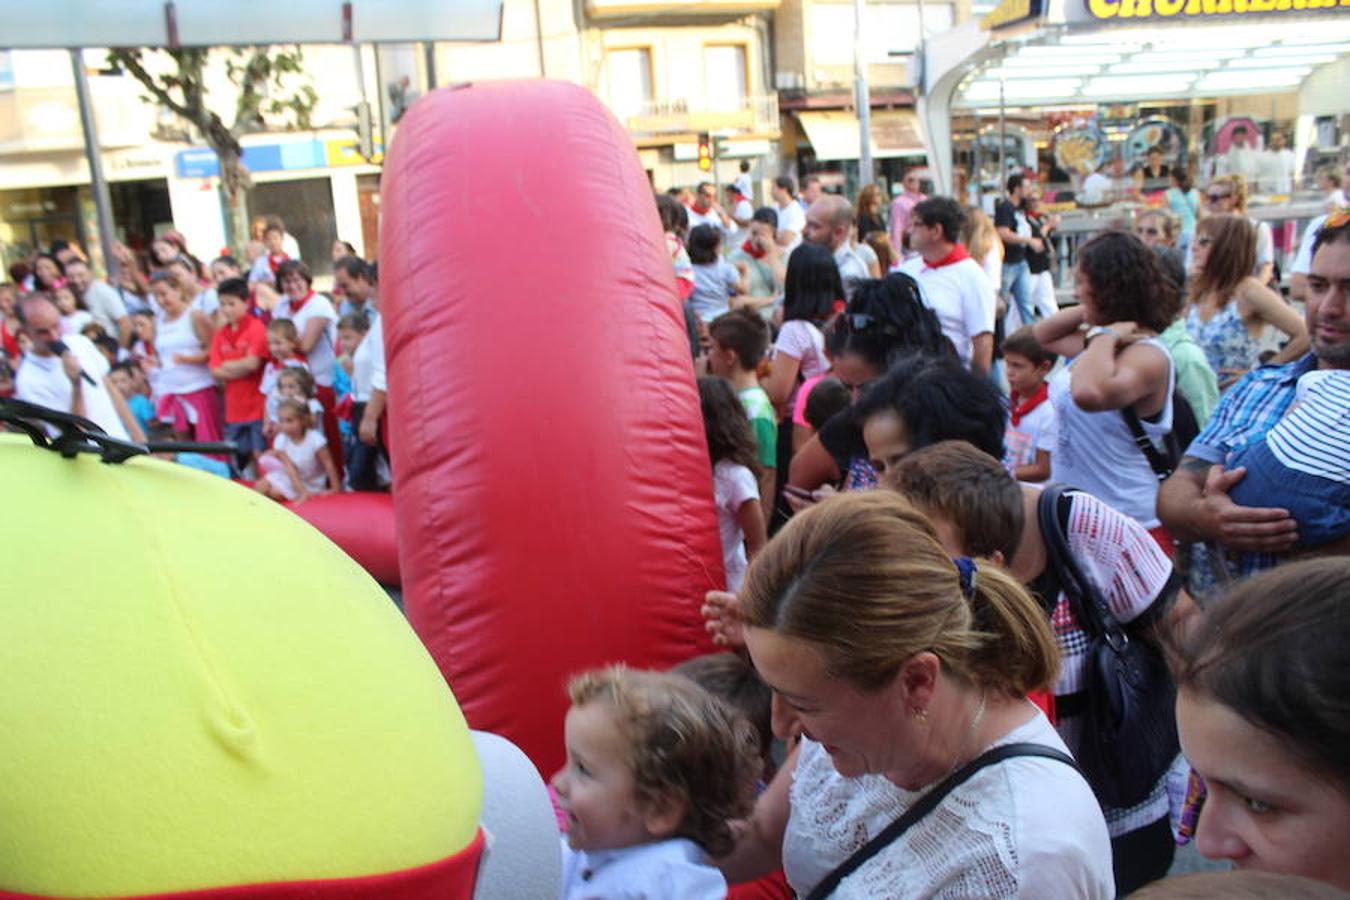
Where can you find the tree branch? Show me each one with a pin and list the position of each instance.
(132, 63)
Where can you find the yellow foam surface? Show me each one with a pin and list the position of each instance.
(201, 690)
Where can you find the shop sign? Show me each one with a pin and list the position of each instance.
(201, 162)
(1195, 10)
(1011, 12)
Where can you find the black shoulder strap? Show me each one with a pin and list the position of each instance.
(1162, 467)
(926, 804)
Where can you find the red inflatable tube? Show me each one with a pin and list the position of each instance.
(554, 494)
(362, 524)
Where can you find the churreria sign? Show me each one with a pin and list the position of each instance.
(1100, 10)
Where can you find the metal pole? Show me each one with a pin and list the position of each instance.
(864, 100)
(1002, 138)
(97, 184)
(429, 51)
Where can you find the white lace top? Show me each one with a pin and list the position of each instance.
(1026, 827)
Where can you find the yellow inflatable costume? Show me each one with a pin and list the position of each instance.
(203, 697)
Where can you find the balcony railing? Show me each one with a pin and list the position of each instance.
(752, 114)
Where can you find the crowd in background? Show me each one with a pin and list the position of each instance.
(942, 501)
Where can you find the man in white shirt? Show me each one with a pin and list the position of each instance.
(742, 213)
(102, 301)
(953, 285)
(1277, 166)
(705, 210)
(811, 191)
(75, 381)
(791, 216)
(1241, 158)
(828, 223)
(352, 276)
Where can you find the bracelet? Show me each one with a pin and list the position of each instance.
(1098, 331)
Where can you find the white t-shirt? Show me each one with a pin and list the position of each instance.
(321, 357)
(368, 364)
(1027, 827)
(697, 218)
(1096, 187)
(675, 869)
(172, 337)
(733, 486)
(1303, 261)
(714, 283)
(803, 341)
(75, 322)
(961, 296)
(305, 456)
(1277, 171)
(852, 268)
(992, 264)
(42, 380)
(1244, 161)
(1096, 452)
(1034, 431)
(105, 305)
(792, 218)
(207, 302)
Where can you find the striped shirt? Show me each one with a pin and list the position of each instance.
(1314, 437)
(1249, 410)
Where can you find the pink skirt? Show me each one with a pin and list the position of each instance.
(198, 413)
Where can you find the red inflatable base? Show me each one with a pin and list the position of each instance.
(362, 524)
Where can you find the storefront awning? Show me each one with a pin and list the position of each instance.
(834, 134)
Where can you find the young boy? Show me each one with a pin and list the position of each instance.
(265, 266)
(237, 353)
(129, 379)
(739, 342)
(1032, 428)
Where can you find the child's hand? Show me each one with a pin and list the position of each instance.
(722, 619)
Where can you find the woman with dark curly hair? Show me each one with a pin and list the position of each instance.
(1118, 370)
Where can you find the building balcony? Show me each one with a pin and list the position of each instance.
(684, 9)
(748, 115)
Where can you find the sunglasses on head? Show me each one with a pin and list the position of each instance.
(861, 323)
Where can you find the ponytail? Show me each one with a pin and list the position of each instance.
(1018, 654)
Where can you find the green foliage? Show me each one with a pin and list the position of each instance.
(269, 81)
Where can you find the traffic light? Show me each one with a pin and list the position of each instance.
(704, 153)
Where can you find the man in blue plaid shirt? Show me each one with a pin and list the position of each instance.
(1194, 503)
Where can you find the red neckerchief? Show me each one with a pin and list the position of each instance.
(297, 305)
(750, 248)
(1024, 408)
(274, 262)
(958, 253)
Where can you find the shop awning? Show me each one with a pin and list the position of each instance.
(834, 134)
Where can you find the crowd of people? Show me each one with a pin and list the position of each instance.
(962, 521)
(950, 514)
(283, 384)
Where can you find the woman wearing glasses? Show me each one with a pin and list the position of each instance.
(1228, 310)
(885, 322)
(1228, 194)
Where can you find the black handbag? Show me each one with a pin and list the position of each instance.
(1129, 729)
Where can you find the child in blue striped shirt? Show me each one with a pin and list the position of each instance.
(1303, 463)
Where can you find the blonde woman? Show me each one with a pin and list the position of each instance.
(1228, 194)
(902, 668)
(983, 245)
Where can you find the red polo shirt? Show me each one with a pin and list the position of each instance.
(243, 400)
